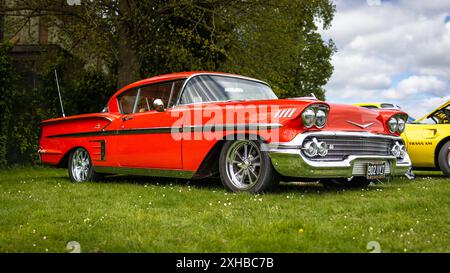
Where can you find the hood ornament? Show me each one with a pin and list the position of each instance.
(362, 126)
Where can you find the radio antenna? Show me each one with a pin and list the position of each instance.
(59, 93)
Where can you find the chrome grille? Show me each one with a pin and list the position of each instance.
(340, 147)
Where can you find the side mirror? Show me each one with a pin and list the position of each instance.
(158, 105)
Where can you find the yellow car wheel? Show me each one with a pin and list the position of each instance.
(444, 158)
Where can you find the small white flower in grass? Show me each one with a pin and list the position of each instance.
(45, 237)
(46, 250)
(163, 195)
(370, 228)
(225, 204)
(362, 195)
(229, 204)
(34, 244)
(404, 250)
(354, 238)
(34, 231)
(288, 197)
(210, 204)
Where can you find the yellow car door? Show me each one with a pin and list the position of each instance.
(428, 140)
(421, 141)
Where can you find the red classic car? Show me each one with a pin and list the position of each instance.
(198, 124)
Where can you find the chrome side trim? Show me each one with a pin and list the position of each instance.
(145, 172)
(170, 130)
(231, 127)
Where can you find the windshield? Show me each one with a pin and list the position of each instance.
(207, 88)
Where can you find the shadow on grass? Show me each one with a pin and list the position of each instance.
(434, 174)
(215, 184)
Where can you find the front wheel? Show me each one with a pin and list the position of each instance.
(245, 167)
(444, 159)
(80, 166)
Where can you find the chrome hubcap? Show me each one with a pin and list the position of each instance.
(243, 164)
(448, 158)
(81, 165)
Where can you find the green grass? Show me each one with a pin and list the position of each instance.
(40, 210)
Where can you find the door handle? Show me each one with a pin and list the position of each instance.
(127, 118)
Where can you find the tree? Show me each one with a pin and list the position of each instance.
(276, 40)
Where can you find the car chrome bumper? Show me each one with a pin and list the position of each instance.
(289, 161)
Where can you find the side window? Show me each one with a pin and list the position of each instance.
(167, 92)
(126, 101)
(150, 93)
(176, 88)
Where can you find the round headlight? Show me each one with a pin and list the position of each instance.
(308, 118)
(310, 149)
(321, 119)
(393, 125)
(401, 125)
(322, 149)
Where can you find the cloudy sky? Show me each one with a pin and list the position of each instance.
(391, 51)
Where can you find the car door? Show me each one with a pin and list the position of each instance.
(424, 135)
(148, 136)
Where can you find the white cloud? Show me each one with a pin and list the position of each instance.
(422, 84)
(391, 51)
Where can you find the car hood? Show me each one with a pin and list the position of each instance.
(433, 112)
(341, 117)
(353, 118)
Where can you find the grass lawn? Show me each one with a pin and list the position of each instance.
(40, 210)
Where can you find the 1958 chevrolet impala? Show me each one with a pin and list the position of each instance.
(198, 124)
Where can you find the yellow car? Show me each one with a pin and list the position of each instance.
(378, 105)
(427, 138)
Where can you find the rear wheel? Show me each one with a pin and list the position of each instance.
(80, 166)
(444, 158)
(244, 167)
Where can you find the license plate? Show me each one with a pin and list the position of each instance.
(376, 170)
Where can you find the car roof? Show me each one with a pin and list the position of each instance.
(176, 76)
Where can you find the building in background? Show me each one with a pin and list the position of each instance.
(33, 41)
